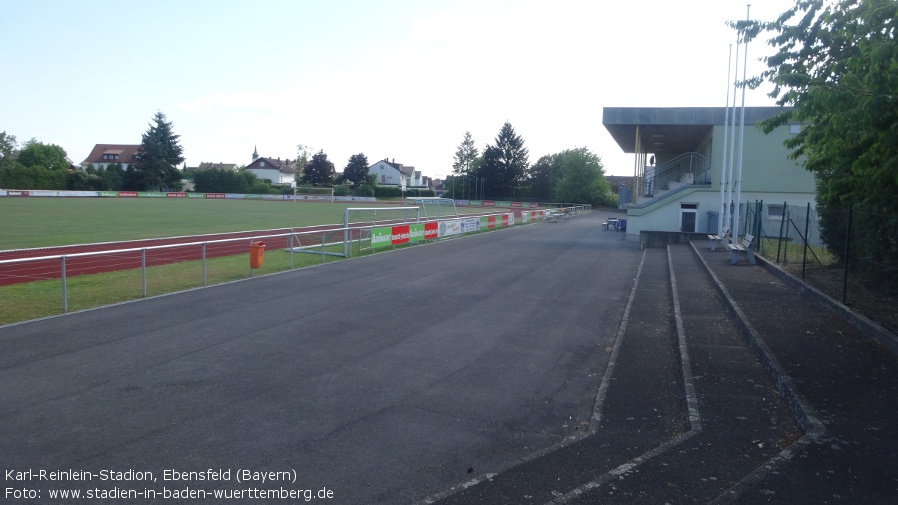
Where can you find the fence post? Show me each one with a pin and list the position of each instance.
(323, 242)
(291, 250)
(204, 263)
(143, 270)
(780, 241)
(65, 295)
(847, 250)
(807, 222)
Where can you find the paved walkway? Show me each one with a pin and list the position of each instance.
(700, 382)
(726, 385)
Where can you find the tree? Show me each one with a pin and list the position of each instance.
(303, 152)
(7, 147)
(319, 171)
(836, 65)
(356, 170)
(465, 156)
(505, 164)
(37, 154)
(158, 156)
(543, 176)
(582, 178)
(220, 181)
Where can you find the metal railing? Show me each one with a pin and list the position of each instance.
(677, 169)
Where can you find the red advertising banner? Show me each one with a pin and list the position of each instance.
(431, 230)
(491, 222)
(127, 194)
(517, 204)
(504, 219)
(489, 203)
(215, 195)
(176, 195)
(533, 205)
(400, 234)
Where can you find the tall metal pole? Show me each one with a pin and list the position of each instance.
(724, 208)
(732, 154)
(738, 182)
(635, 163)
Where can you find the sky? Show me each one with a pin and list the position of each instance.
(392, 79)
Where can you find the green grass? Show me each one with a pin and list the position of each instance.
(40, 222)
(43, 222)
(793, 252)
(21, 302)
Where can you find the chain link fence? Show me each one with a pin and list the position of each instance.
(851, 255)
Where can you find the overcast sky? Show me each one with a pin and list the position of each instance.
(396, 79)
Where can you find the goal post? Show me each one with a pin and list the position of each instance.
(313, 193)
(435, 207)
(366, 217)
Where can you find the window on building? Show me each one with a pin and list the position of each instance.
(775, 212)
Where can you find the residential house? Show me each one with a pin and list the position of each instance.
(680, 158)
(390, 173)
(104, 155)
(214, 166)
(275, 170)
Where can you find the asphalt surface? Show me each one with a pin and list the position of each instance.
(552, 363)
(384, 379)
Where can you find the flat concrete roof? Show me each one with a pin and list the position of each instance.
(671, 129)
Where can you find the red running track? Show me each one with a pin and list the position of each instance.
(21, 272)
(45, 269)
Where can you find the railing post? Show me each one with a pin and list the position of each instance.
(323, 241)
(780, 241)
(291, 251)
(143, 270)
(204, 263)
(807, 223)
(65, 295)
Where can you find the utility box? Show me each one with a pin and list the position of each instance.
(713, 222)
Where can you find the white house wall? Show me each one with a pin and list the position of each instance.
(385, 173)
(666, 216)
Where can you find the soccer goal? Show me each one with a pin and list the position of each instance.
(435, 208)
(359, 221)
(313, 193)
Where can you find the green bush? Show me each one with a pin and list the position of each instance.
(387, 192)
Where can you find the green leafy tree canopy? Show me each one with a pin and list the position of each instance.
(38, 154)
(836, 65)
(582, 178)
(319, 171)
(356, 170)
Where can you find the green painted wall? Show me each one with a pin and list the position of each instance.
(765, 163)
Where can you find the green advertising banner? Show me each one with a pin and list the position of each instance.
(381, 237)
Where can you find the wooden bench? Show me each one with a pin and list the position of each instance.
(718, 239)
(744, 247)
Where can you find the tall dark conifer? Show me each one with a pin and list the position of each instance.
(158, 156)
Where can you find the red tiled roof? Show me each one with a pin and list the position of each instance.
(126, 153)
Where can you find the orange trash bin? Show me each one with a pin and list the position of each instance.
(256, 254)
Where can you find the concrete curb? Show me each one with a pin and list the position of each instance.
(863, 324)
(804, 413)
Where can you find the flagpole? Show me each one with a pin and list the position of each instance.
(724, 208)
(738, 183)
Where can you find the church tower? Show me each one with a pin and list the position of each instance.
(255, 153)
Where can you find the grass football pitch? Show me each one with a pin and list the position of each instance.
(43, 222)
